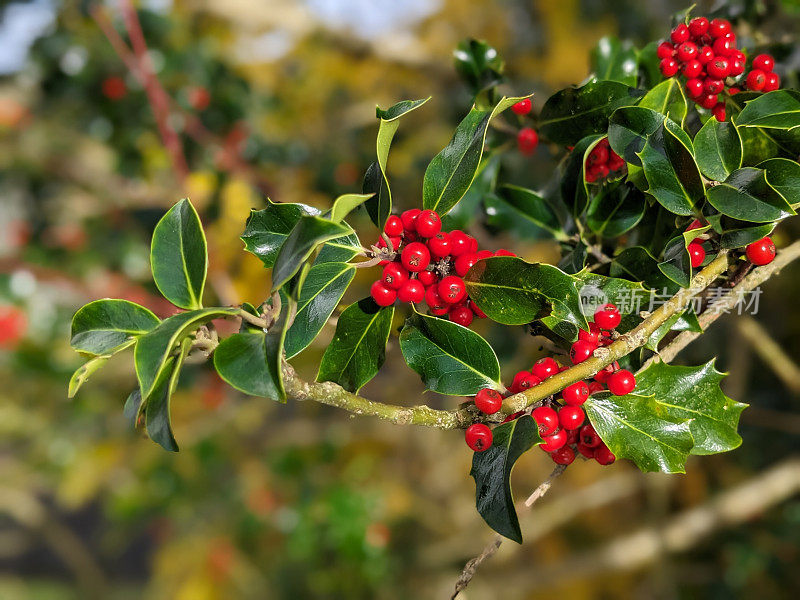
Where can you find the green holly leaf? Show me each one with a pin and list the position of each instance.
(637, 264)
(321, 293)
(153, 349)
(82, 373)
(685, 321)
(676, 263)
(451, 172)
(514, 292)
(574, 188)
(615, 209)
(668, 99)
(469, 207)
(266, 230)
(345, 204)
(574, 258)
(612, 60)
(629, 128)
(574, 113)
(779, 109)
(531, 206)
(451, 359)
(104, 327)
(718, 149)
(737, 234)
(479, 64)
(491, 470)
(157, 417)
(379, 207)
(638, 428)
(241, 361)
(358, 348)
(672, 175)
(179, 256)
(693, 394)
(783, 175)
(309, 233)
(747, 196)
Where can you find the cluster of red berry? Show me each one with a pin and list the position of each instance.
(602, 161)
(760, 253)
(527, 138)
(428, 264)
(561, 420)
(706, 55)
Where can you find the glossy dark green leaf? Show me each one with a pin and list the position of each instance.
(267, 229)
(737, 234)
(479, 64)
(514, 292)
(628, 130)
(451, 172)
(273, 348)
(394, 112)
(640, 429)
(746, 195)
(613, 60)
(668, 99)
(449, 358)
(784, 177)
(379, 206)
(637, 264)
(179, 257)
(574, 191)
(759, 144)
(102, 327)
(718, 149)
(649, 61)
(779, 109)
(615, 209)
(157, 416)
(685, 321)
(241, 361)
(491, 470)
(322, 291)
(530, 205)
(574, 113)
(672, 175)
(469, 208)
(346, 203)
(133, 408)
(675, 261)
(694, 393)
(94, 364)
(575, 258)
(154, 348)
(358, 348)
(309, 233)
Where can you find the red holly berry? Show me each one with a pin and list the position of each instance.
(461, 315)
(199, 97)
(478, 312)
(698, 27)
(393, 225)
(460, 243)
(394, 276)
(719, 27)
(545, 367)
(523, 107)
(764, 62)
(555, 441)
(603, 374)
(697, 254)
(756, 79)
(694, 87)
(588, 437)
(621, 382)
(665, 50)
(428, 223)
(518, 379)
(719, 111)
(409, 219)
(719, 67)
(488, 401)
(527, 140)
(680, 34)
(452, 289)
(686, 51)
(529, 382)
(595, 386)
(575, 394)
(478, 437)
(668, 67)
(761, 252)
(692, 68)
(604, 456)
(571, 417)
(563, 456)
(709, 100)
(737, 66)
(772, 82)
(435, 302)
(114, 88)
(439, 245)
(607, 316)
(503, 252)
(705, 55)
(415, 257)
(411, 291)
(585, 450)
(580, 351)
(713, 86)
(546, 418)
(382, 295)
(427, 278)
(464, 263)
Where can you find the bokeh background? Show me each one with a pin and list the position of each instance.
(302, 501)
